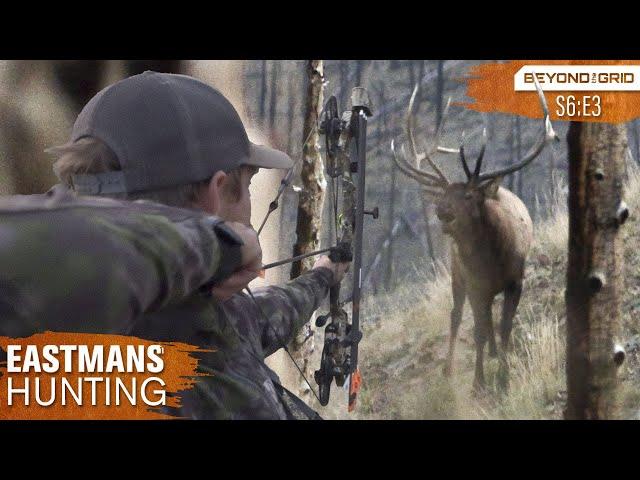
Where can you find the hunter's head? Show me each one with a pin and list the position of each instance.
(166, 138)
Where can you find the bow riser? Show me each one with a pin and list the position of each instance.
(346, 156)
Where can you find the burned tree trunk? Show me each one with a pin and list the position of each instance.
(79, 80)
(383, 127)
(594, 278)
(312, 173)
(311, 199)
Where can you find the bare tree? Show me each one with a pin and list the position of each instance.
(518, 153)
(439, 91)
(425, 201)
(512, 157)
(309, 220)
(344, 82)
(263, 90)
(594, 272)
(291, 114)
(273, 101)
(392, 194)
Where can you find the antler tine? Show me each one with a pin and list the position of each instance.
(465, 166)
(436, 182)
(404, 168)
(547, 135)
(476, 172)
(410, 121)
(419, 176)
(443, 120)
(412, 143)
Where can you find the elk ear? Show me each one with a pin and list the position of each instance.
(490, 188)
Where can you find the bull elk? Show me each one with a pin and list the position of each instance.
(491, 231)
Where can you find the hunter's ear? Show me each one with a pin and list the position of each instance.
(490, 188)
(210, 198)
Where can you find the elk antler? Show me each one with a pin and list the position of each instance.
(419, 156)
(460, 151)
(476, 171)
(418, 175)
(547, 135)
(443, 120)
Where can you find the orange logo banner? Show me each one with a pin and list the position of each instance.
(91, 376)
(599, 91)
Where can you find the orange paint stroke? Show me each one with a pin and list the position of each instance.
(490, 86)
(179, 375)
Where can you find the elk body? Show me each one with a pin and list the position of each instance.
(491, 231)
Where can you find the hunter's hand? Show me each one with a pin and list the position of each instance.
(251, 263)
(339, 269)
(251, 250)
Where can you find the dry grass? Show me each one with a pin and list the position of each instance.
(552, 233)
(403, 352)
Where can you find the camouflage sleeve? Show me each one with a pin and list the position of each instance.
(92, 270)
(289, 307)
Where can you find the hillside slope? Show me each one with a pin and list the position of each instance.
(403, 353)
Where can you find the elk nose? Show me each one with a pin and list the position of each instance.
(445, 215)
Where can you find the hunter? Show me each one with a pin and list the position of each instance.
(166, 140)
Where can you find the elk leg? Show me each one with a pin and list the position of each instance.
(493, 349)
(459, 293)
(511, 301)
(482, 318)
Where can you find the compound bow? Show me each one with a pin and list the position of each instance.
(345, 141)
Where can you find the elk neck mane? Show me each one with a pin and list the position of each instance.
(504, 228)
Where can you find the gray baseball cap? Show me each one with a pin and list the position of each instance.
(166, 130)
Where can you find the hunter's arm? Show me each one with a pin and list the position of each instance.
(288, 308)
(95, 270)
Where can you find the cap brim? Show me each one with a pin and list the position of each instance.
(265, 157)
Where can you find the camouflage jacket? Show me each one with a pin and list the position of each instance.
(95, 265)
(80, 264)
(239, 385)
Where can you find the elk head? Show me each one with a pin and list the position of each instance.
(460, 204)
